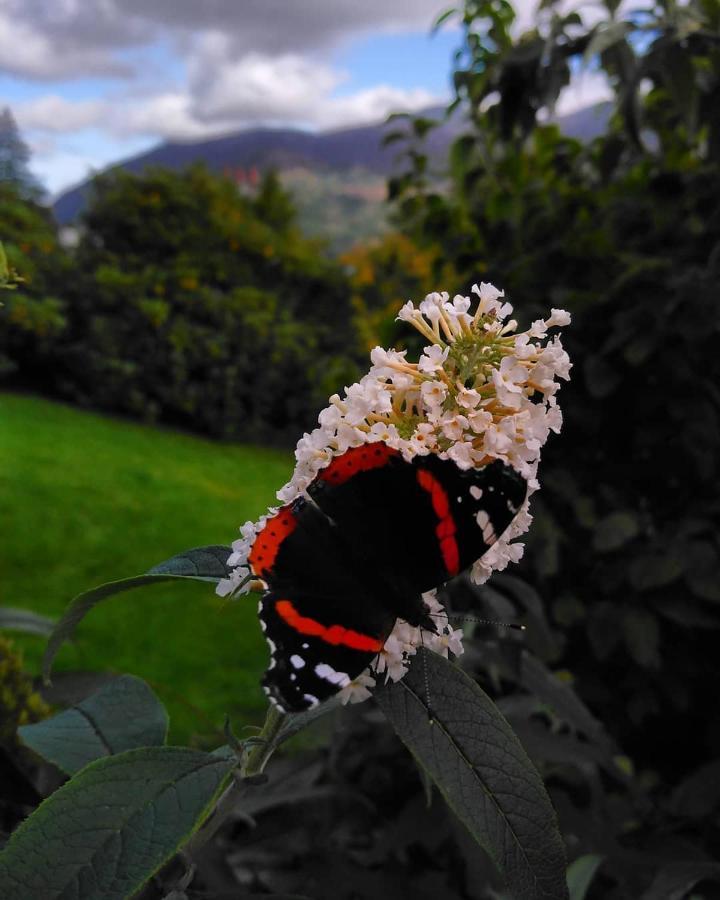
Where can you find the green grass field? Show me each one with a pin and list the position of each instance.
(86, 499)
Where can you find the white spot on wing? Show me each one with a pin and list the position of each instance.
(483, 519)
(476, 492)
(327, 673)
(297, 661)
(311, 699)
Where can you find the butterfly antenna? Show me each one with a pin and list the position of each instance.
(461, 617)
(426, 679)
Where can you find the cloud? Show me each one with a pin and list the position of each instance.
(70, 38)
(35, 49)
(587, 88)
(53, 113)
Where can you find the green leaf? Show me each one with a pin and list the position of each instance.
(23, 620)
(105, 832)
(641, 632)
(705, 585)
(482, 771)
(296, 722)
(560, 697)
(580, 874)
(606, 36)
(673, 881)
(442, 19)
(698, 795)
(615, 530)
(199, 564)
(654, 570)
(122, 715)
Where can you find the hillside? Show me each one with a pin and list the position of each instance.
(343, 168)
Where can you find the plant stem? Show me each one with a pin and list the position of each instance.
(257, 756)
(253, 762)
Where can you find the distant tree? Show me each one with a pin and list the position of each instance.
(190, 307)
(273, 204)
(14, 157)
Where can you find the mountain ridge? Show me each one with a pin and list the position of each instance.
(354, 148)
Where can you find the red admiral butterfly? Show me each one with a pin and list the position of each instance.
(340, 570)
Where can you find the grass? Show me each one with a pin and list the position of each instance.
(86, 499)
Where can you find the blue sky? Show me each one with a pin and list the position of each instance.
(94, 81)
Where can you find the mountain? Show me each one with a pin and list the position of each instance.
(337, 176)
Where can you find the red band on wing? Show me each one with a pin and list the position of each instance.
(332, 634)
(267, 543)
(357, 459)
(446, 528)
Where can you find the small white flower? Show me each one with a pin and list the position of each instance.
(462, 454)
(233, 584)
(433, 393)
(509, 380)
(432, 359)
(407, 312)
(448, 640)
(558, 317)
(479, 420)
(468, 398)
(423, 439)
(453, 425)
(357, 690)
(383, 431)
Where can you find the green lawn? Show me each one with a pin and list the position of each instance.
(85, 499)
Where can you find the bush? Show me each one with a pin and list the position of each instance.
(196, 305)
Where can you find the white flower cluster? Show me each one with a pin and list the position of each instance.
(479, 392)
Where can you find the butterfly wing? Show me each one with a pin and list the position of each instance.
(313, 655)
(324, 617)
(418, 523)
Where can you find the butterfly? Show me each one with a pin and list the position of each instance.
(342, 565)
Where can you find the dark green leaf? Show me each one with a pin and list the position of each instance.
(674, 881)
(122, 715)
(614, 530)
(106, 831)
(580, 874)
(23, 620)
(442, 19)
(705, 585)
(201, 564)
(296, 722)
(559, 696)
(698, 795)
(654, 570)
(605, 36)
(482, 771)
(642, 637)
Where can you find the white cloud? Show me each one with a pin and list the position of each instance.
(586, 89)
(57, 114)
(257, 87)
(30, 51)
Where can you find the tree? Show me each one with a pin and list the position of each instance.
(189, 307)
(14, 157)
(273, 204)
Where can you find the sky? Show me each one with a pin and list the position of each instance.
(91, 82)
